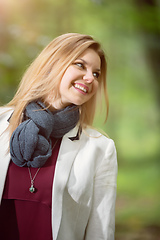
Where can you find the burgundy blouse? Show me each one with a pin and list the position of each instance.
(25, 215)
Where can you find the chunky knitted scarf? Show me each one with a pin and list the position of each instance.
(30, 143)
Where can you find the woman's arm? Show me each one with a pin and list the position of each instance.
(101, 225)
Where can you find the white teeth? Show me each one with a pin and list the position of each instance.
(80, 87)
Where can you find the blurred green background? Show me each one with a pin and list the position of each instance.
(129, 31)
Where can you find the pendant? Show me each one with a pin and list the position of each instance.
(32, 189)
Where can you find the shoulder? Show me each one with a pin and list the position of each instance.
(5, 114)
(98, 142)
(97, 137)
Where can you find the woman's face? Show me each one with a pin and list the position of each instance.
(81, 79)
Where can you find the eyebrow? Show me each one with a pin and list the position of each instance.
(97, 69)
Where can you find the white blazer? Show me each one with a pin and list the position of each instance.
(84, 186)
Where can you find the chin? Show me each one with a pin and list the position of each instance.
(78, 103)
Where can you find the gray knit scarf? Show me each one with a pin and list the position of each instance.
(30, 143)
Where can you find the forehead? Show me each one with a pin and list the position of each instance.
(91, 57)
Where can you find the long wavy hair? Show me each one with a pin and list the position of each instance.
(45, 73)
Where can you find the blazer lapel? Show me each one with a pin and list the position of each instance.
(67, 154)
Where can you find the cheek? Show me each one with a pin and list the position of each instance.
(67, 78)
(95, 87)
(64, 82)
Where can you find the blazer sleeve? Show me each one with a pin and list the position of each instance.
(101, 224)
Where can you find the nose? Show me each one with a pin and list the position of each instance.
(88, 77)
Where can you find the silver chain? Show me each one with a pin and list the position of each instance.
(32, 179)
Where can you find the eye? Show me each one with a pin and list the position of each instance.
(96, 74)
(79, 64)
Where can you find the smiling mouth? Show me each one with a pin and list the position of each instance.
(81, 87)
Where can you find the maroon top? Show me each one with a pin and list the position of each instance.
(25, 215)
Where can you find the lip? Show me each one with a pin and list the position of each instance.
(81, 87)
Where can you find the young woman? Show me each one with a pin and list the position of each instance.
(58, 174)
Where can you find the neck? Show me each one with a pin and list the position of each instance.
(57, 104)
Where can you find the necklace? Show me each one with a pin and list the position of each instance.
(32, 189)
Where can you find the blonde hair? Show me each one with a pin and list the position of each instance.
(45, 73)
